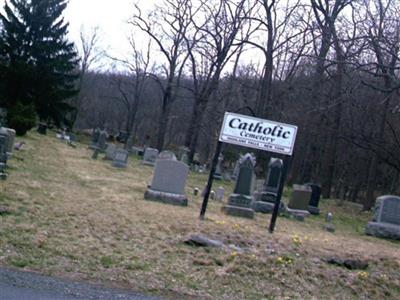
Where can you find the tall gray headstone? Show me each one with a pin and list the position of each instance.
(386, 221)
(239, 203)
(168, 184)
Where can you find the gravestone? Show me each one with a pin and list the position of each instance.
(264, 200)
(120, 158)
(299, 200)
(168, 184)
(150, 156)
(219, 194)
(195, 191)
(167, 155)
(95, 138)
(386, 220)
(110, 152)
(218, 169)
(239, 203)
(314, 199)
(184, 154)
(101, 142)
(42, 128)
(10, 140)
(235, 171)
(3, 145)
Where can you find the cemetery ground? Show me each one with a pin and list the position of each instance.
(66, 215)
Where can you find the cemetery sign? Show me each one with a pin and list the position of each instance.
(258, 133)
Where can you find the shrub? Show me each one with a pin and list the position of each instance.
(21, 117)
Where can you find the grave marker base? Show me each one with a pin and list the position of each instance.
(238, 211)
(384, 230)
(167, 198)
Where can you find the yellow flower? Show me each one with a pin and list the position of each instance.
(236, 226)
(220, 222)
(296, 239)
(383, 276)
(234, 254)
(362, 274)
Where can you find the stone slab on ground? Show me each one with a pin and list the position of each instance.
(167, 198)
(238, 211)
(384, 230)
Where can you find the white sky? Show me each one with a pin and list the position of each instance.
(110, 16)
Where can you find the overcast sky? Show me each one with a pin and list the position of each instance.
(110, 16)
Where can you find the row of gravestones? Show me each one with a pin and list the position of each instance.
(7, 137)
(169, 180)
(170, 176)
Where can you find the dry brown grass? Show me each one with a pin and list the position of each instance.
(82, 219)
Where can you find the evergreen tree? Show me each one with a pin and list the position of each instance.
(37, 61)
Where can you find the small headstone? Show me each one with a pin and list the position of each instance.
(95, 153)
(120, 158)
(150, 156)
(239, 203)
(299, 200)
(218, 169)
(42, 128)
(110, 151)
(168, 184)
(328, 226)
(167, 155)
(212, 195)
(101, 143)
(314, 199)
(10, 140)
(195, 191)
(386, 220)
(3, 145)
(184, 154)
(95, 138)
(219, 194)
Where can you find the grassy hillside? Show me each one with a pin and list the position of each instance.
(73, 217)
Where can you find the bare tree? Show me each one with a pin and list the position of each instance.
(167, 26)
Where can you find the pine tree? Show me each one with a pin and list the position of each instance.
(37, 61)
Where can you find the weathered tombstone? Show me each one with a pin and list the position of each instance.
(235, 171)
(101, 142)
(386, 220)
(264, 200)
(328, 226)
(3, 145)
(299, 200)
(150, 156)
(195, 191)
(239, 203)
(167, 155)
(184, 154)
(110, 151)
(314, 199)
(10, 140)
(95, 138)
(120, 158)
(212, 195)
(42, 128)
(218, 170)
(168, 184)
(219, 194)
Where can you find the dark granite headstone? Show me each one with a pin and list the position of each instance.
(239, 203)
(42, 128)
(274, 175)
(314, 199)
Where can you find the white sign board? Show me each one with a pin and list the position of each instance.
(258, 133)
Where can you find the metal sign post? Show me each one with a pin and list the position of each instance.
(259, 134)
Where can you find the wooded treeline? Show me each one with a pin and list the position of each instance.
(331, 67)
